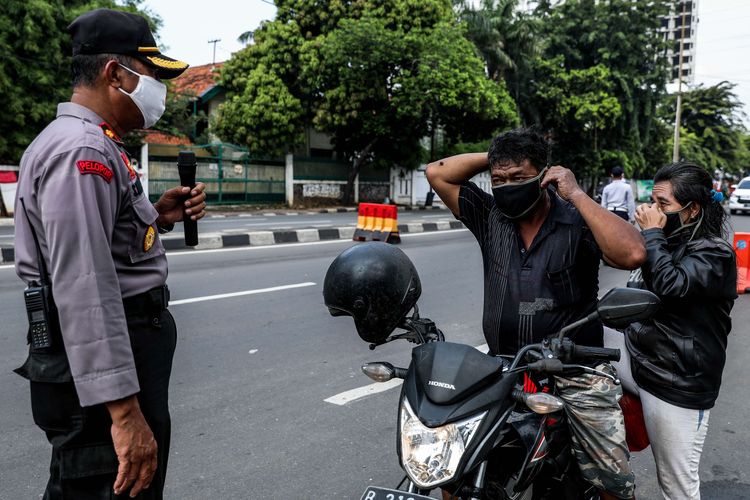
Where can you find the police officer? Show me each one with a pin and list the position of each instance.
(99, 391)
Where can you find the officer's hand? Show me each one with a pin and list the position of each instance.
(564, 180)
(170, 205)
(135, 446)
(650, 216)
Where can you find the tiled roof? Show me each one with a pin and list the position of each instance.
(197, 79)
(156, 137)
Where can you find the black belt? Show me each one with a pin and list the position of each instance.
(153, 301)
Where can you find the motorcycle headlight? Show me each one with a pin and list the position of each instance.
(430, 455)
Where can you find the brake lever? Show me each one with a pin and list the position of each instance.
(593, 371)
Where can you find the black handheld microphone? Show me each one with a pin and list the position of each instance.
(186, 166)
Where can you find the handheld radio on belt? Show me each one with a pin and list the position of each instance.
(186, 166)
(40, 306)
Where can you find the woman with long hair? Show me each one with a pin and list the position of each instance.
(674, 361)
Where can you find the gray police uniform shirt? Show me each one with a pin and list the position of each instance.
(618, 195)
(99, 240)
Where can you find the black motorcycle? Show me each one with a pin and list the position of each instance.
(475, 425)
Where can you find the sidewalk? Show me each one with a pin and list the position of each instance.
(217, 212)
(226, 239)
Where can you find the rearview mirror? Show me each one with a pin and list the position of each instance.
(621, 306)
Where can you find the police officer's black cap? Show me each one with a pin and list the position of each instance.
(105, 31)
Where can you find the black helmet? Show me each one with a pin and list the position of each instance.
(376, 284)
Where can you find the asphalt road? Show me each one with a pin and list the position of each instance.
(252, 374)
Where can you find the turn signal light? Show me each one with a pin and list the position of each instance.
(379, 372)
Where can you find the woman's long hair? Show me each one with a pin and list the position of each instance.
(691, 182)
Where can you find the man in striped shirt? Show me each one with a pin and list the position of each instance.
(541, 239)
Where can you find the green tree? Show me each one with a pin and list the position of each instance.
(376, 75)
(711, 129)
(35, 53)
(507, 39)
(265, 117)
(580, 106)
(623, 37)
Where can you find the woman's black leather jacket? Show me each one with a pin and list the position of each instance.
(679, 354)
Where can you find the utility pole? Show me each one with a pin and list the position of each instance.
(214, 42)
(678, 112)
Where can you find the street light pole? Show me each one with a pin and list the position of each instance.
(678, 112)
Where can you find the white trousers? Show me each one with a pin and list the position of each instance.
(676, 434)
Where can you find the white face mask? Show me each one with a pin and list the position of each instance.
(150, 95)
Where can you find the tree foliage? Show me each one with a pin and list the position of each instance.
(621, 39)
(711, 129)
(376, 75)
(35, 56)
(265, 116)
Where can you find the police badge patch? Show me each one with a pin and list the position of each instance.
(149, 239)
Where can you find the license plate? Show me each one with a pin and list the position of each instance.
(376, 493)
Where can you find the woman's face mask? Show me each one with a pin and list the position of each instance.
(150, 96)
(674, 221)
(519, 198)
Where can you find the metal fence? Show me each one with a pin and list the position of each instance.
(231, 175)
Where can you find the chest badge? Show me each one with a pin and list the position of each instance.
(149, 239)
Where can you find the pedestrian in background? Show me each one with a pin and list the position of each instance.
(674, 361)
(617, 196)
(99, 388)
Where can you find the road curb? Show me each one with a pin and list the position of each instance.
(212, 241)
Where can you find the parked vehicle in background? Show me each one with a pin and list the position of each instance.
(739, 200)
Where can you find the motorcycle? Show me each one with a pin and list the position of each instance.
(492, 427)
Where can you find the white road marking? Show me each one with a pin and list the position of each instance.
(434, 216)
(360, 392)
(239, 294)
(179, 253)
(269, 214)
(252, 351)
(12, 266)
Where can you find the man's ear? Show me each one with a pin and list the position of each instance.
(111, 75)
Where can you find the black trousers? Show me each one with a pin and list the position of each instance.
(623, 214)
(84, 463)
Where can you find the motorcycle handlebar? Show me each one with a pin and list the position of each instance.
(603, 353)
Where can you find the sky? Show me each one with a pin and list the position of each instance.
(723, 44)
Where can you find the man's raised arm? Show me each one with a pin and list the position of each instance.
(621, 244)
(446, 175)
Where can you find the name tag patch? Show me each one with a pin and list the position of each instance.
(95, 168)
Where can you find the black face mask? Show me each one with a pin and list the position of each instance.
(674, 222)
(518, 199)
